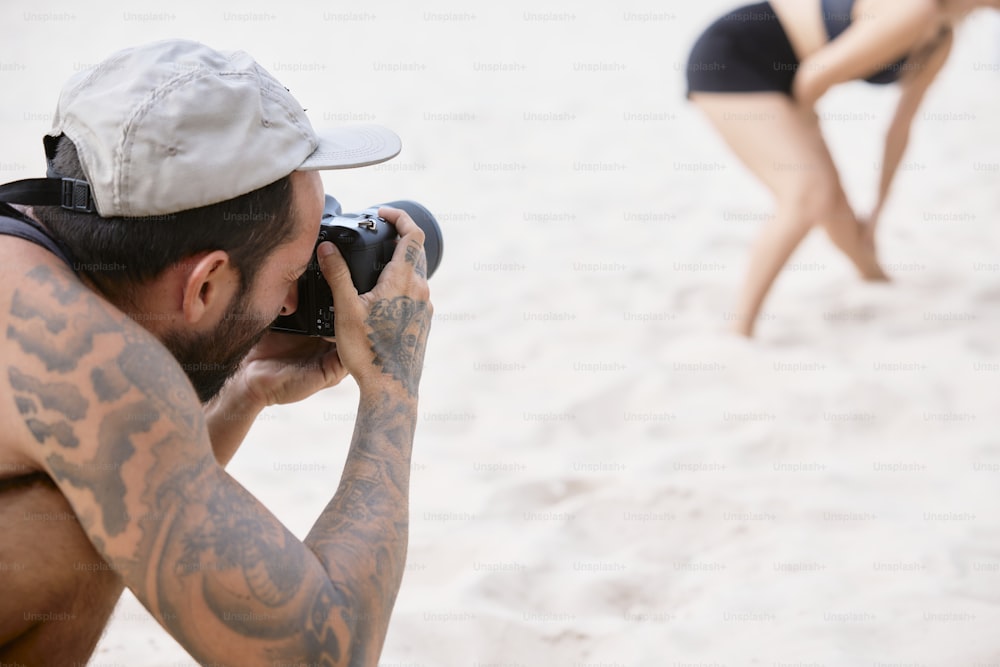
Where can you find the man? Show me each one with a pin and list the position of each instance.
(122, 392)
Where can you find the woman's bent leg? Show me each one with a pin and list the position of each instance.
(783, 146)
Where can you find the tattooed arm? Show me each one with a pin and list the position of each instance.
(111, 417)
(371, 504)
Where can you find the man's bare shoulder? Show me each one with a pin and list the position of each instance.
(51, 569)
(86, 385)
(33, 282)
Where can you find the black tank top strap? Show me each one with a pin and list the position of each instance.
(14, 223)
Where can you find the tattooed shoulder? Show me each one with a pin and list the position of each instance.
(81, 372)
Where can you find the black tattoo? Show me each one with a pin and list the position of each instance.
(25, 405)
(47, 333)
(416, 256)
(366, 494)
(22, 308)
(103, 475)
(163, 384)
(60, 430)
(319, 635)
(357, 497)
(109, 382)
(382, 579)
(269, 560)
(64, 294)
(399, 330)
(394, 421)
(59, 396)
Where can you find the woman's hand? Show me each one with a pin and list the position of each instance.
(807, 87)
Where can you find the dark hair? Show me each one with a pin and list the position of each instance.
(120, 254)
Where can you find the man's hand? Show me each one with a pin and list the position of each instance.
(381, 335)
(286, 368)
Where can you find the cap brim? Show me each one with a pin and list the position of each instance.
(352, 146)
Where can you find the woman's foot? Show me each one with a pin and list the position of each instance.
(867, 263)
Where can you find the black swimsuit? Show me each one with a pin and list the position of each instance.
(837, 19)
(748, 51)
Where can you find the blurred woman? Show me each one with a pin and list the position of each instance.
(770, 62)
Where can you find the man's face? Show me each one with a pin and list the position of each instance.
(211, 358)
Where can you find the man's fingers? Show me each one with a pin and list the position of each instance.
(335, 270)
(333, 367)
(408, 258)
(404, 224)
(409, 254)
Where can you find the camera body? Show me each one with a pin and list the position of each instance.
(367, 243)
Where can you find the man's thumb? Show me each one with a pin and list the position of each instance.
(336, 272)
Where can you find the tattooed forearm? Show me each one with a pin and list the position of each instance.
(399, 331)
(366, 522)
(375, 484)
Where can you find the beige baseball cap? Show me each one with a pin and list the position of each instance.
(176, 125)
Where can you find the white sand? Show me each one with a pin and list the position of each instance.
(600, 477)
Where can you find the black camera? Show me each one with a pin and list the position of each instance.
(367, 242)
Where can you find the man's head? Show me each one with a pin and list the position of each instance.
(222, 317)
(206, 281)
(200, 167)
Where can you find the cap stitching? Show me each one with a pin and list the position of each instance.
(122, 185)
(292, 115)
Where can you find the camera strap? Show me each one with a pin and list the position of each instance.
(69, 193)
(72, 194)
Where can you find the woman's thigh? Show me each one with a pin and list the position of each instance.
(778, 142)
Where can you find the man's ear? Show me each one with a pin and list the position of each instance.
(210, 283)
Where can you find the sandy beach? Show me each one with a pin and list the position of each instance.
(602, 477)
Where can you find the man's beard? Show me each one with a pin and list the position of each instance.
(209, 360)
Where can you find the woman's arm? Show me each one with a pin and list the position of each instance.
(914, 86)
(881, 35)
